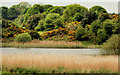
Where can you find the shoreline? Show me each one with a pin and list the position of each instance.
(51, 44)
(52, 47)
(49, 48)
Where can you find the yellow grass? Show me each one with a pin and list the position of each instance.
(52, 61)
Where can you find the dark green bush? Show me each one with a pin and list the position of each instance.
(84, 22)
(19, 19)
(92, 16)
(35, 9)
(108, 25)
(98, 9)
(77, 17)
(51, 20)
(95, 26)
(34, 34)
(116, 29)
(40, 26)
(6, 23)
(93, 38)
(112, 46)
(101, 36)
(58, 23)
(103, 16)
(72, 9)
(32, 21)
(4, 12)
(46, 7)
(57, 9)
(79, 33)
(24, 37)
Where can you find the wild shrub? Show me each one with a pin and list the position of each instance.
(40, 26)
(79, 33)
(112, 46)
(24, 37)
(51, 21)
(101, 36)
(34, 34)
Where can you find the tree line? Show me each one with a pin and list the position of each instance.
(94, 24)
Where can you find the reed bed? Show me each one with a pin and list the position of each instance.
(48, 62)
(49, 44)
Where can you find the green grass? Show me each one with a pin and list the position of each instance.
(87, 43)
(58, 70)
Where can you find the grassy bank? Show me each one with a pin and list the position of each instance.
(53, 63)
(50, 44)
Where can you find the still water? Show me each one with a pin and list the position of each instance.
(50, 51)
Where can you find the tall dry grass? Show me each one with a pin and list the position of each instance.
(49, 44)
(52, 61)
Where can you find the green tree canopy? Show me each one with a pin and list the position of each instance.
(37, 8)
(24, 4)
(102, 36)
(72, 9)
(4, 12)
(46, 7)
(77, 17)
(95, 26)
(92, 16)
(51, 21)
(19, 20)
(103, 16)
(116, 29)
(57, 9)
(17, 10)
(108, 25)
(13, 13)
(79, 33)
(40, 26)
(33, 20)
(97, 9)
(84, 22)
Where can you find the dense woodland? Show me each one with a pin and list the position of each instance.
(67, 23)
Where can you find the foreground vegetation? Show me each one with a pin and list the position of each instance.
(52, 63)
(112, 46)
(58, 70)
